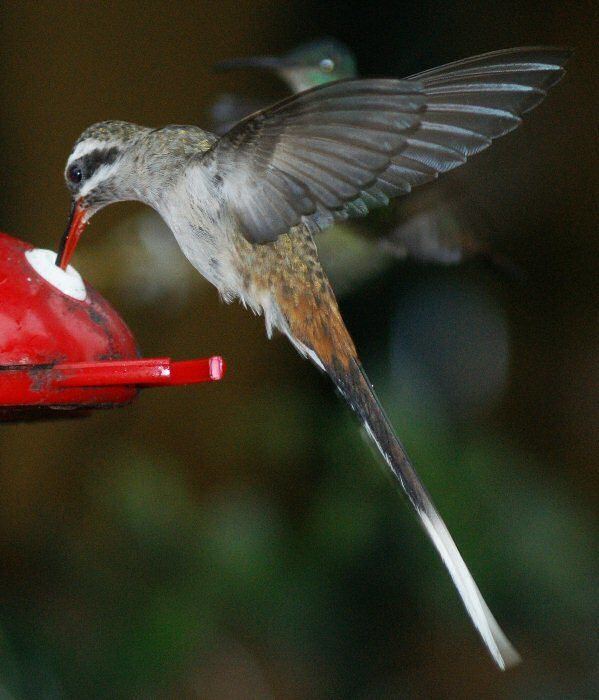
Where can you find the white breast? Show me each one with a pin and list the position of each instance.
(194, 211)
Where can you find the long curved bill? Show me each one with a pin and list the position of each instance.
(72, 234)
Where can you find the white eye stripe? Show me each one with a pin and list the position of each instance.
(102, 173)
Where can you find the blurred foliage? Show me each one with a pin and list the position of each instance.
(237, 540)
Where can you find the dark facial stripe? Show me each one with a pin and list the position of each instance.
(101, 156)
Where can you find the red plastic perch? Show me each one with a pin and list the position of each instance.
(157, 371)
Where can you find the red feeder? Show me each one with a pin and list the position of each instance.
(64, 349)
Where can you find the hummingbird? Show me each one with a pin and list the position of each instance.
(308, 65)
(311, 64)
(427, 228)
(246, 209)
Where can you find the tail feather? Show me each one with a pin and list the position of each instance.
(359, 393)
(305, 309)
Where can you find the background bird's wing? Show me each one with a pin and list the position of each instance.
(341, 149)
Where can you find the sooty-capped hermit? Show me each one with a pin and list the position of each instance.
(288, 170)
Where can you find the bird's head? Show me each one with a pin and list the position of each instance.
(318, 62)
(99, 171)
(321, 61)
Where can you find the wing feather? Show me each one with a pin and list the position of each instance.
(344, 148)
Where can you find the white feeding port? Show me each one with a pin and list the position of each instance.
(67, 281)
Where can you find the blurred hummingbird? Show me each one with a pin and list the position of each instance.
(308, 65)
(246, 207)
(426, 228)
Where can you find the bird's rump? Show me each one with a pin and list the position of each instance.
(341, 149)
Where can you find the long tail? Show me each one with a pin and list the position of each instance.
(314, 325)
(358, 392)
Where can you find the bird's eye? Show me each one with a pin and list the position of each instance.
(75, 174)
(327, 65)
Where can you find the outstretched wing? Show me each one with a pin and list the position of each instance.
(469, 103)
(313, 152)
(341, 149)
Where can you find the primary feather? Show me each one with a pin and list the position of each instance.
(340, 149)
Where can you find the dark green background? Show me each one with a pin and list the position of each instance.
(239, 540)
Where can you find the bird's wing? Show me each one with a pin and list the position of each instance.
(312, 153)
(469, 103)
(341, 149)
